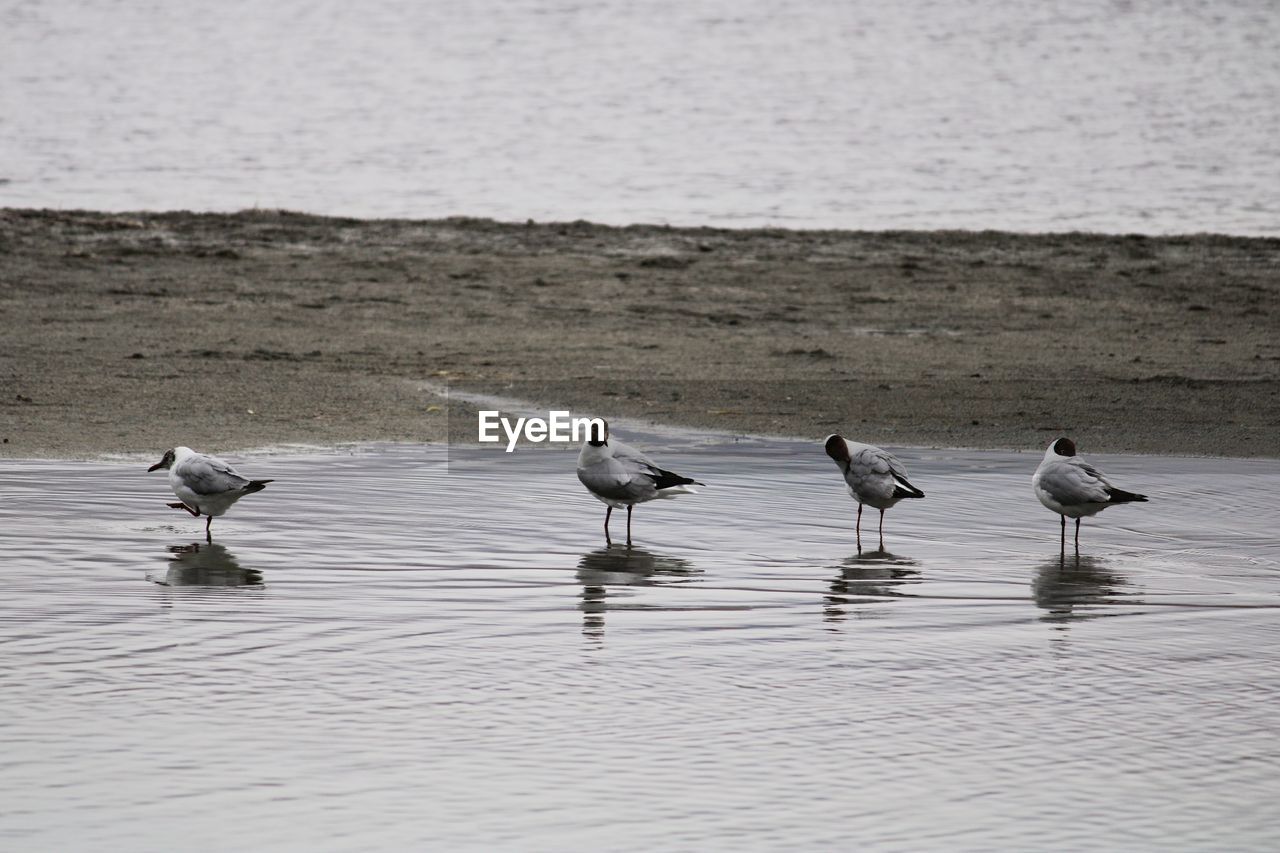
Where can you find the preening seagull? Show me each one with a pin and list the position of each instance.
(205, 484)
(1069, 486)
(875, 478)
(619, 475)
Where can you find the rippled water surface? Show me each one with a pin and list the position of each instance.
(1144, 116)
(385, 650)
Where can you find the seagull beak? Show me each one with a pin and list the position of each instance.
(156, 467)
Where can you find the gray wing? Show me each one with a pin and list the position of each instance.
(631, 457)
(208, 475)
(868, 463)
(872, 461)
(1072, 482)
(616, 479)
(637, 465)
(877, 474)
(895, 467)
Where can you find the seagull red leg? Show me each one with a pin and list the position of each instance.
(881, 530)
(629, 508)
(608, 512)
(208, 535)
(858, 528)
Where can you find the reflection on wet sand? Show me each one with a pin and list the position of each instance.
(206, 564)
(1064, 583)
(867, 578)
(615, 566)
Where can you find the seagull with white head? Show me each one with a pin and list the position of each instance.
(206, 485)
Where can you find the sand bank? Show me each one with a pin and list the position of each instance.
(133, 332)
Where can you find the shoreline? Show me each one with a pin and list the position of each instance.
(130, 333)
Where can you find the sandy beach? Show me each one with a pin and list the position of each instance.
(129, 333)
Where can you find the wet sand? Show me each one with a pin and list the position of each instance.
(128, 333)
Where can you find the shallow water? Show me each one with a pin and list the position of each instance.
(1143, 116)
(390, 649)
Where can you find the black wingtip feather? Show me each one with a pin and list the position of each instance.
(256, 486)
(1120, 496)
(903, 489)
(667, 479)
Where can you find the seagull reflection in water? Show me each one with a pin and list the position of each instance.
(1066, 582)
(871, 577)
(206, 564)
(621, 566)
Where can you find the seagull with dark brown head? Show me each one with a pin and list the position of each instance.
(618, 475)
(205, 484)
(1073, 488)
(875, 478)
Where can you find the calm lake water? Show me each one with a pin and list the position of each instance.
(397, 648)
(1143, 116)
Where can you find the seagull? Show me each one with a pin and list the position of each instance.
(875, 478)
(206, 484)
(619, 475)
(1069, 486)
